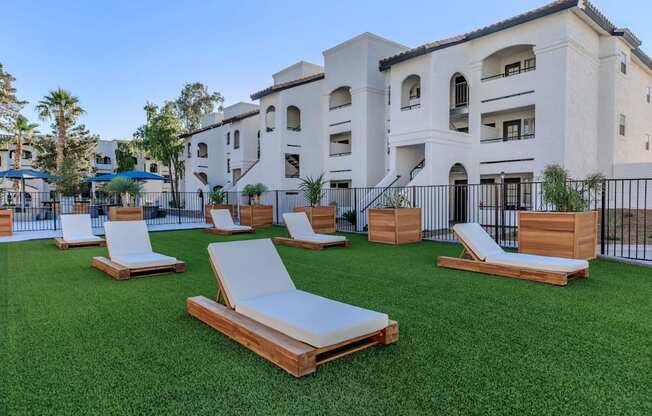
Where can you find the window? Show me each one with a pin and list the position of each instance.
(292, 166)
(389, 95)
(528, 128)
(228, 165)
(341, 97)
(647, 142)
(411, 93)
(270, 118)
(236, 139)
(512, 69)
(512, 130)
(237, 173)
(460, 92)
(529, 64)
(340, 144)
(340, 184)
(258, 147)
(623, 62)
(153, 168)
(648, 94)
(621, 124)
(189, 151)
(293, 118)
(202, 150)
(512, 197)
(228, 138)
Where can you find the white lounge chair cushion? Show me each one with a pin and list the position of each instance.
(320, 238)
(77, 228)
(531, 261)
(312, 319)
(137, 261)
(477, 239)
(249, 269)
(222, 220)
(126, 238)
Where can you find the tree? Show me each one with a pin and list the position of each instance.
(159, 138)
(63, 109)
(10, 105)
(21, 129)
(70, 178)
(79, 148)
(125, 157)
(194, 102)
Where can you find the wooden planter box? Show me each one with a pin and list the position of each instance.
(81, 207)
(394, 225)
(6, 222)
(572, 235)
(322, 219)
(125, 214)
(209, 207)
(256, 215)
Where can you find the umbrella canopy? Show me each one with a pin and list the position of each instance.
(137, 175)
(26, 174)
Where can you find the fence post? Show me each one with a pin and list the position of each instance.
(496, 207)
(201, 201)
(414, 197)
(276, 205)
(355, 208)
(178, 207)
(603, 214)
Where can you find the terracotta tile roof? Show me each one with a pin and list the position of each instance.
(285, 85)
(557, 6)
(229, 120)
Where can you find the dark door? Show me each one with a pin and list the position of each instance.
(512, 69)
(512, 130)
(460, 201)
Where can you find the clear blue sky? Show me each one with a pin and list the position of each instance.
(115, 55)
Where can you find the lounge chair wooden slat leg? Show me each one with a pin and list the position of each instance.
(290, 242)
(120, 272)
(65, 245)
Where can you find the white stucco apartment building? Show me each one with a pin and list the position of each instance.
(559, 84)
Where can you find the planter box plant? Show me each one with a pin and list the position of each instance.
(571, 231)
(217, 199)
(6, 222)
(395, 223)
(126, 188)
(254, 214)
(322, 218)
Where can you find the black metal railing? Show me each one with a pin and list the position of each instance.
(410, 107)
(508, 138)
(335, 107)
(508, 74)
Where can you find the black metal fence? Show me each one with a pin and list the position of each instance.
(624, 207)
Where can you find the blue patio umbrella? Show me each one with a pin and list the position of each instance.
(23, 174)
(137, 175)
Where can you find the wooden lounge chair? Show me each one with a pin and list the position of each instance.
(130, 252)
(482, 254)
(302, 235)
(77, 232)
(264, 311)
(223, 224)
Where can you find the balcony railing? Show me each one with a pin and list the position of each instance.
(413, 103)
(340, 154)
(509, 138)
(294, 128)
(509, 74)
(335, 107)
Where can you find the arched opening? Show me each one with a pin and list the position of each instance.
(203, 178)
(411, 93)
(189, 150)
(458, 178)
(507, 62)
(236, 139)
(202, 150)
(293, 118)
(153, 168)
(270, 118)
(341, 97)
(459, 104)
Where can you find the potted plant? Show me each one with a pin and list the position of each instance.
(396, 222)
(570, 230)
(126, 188)
(322, 218)
(255, 214)
(216, 201)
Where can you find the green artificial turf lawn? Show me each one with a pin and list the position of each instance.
(75, 341)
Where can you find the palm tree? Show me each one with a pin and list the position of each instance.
(63, 108)
(22, 129)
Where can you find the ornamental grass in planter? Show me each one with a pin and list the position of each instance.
(127, 189)
(322, 218)
(396, 222)
(216, 199)
(570, 230)
(254, 214)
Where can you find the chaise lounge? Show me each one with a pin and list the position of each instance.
(482, 254)
(223, 224)
(77, 232)
(264, 311)
(130, 252)
(302, 235)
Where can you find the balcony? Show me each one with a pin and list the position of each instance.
(512, 73)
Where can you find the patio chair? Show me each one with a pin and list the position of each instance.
(223, 224)
(77, 232)
(302, 235)
(264, 311)
(130, 252)
(482, 254)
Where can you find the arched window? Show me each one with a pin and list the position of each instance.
(202, 150)
(294, 118)
(236, 139)
(339, 98)
(459, 104)
(270, 118)
(153, 168)
(411, 93)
